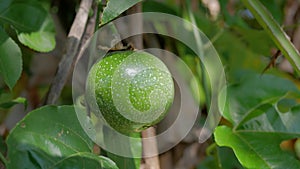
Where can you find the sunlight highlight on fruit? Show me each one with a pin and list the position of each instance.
(133, 90)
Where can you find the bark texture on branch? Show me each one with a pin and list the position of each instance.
(73, 43)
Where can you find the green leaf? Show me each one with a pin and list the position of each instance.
(251, 36)
(155, 6)
(10, 60)
(11, 103)
(8, 100)
(280, 38)
(4, 4)
(231, 54)
(247, 98)
(86, 160)
(52, 137)
(264, 112)
(42, 40)
(34, 25)
(257, 143)
(247, 156)
(222, 156)
(276, 8)
(114, 8)
(24, 16)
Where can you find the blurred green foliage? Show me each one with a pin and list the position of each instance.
(261, 111)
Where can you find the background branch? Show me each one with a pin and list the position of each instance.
(89, 31)
(73, 42)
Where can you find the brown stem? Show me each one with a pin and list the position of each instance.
(136, 25)
(150, 149)
(149, 145)
(89, 31)
(73, 41)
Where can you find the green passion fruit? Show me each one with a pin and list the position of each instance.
(133, 90)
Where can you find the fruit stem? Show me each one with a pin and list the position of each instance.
(150, 148)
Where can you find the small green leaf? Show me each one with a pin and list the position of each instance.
(256, 143)
(34, 25)
(114, 8)
(225, 137)
(9, 104)
(280, 38)
(257, 149)
(52, 137)
(24, 16)
(42, 40)
(10, 60)
(263, 112)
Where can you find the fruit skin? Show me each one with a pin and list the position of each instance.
(133, 90)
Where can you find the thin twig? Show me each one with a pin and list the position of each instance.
(272, 62)
(73, 41)
(89, 31)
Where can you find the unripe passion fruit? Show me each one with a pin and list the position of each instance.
(133, 90)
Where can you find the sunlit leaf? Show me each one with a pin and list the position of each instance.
(9, 104)
(263, 112)
(42, 40)
(257, 143)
